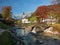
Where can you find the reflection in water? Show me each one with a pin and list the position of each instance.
(38, 40)
(20, 32)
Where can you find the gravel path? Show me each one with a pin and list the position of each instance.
(1, 31)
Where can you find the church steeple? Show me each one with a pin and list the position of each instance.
(24, 15)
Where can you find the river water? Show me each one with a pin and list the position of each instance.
(42, 41)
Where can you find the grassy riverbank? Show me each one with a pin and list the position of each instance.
(3, 26)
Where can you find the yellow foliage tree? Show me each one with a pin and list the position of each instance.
(6, 12)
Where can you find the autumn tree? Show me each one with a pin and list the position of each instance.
(6, 12)
(54, 11)
(42, 12)
(56, 4)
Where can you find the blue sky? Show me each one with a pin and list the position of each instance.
(19, 6)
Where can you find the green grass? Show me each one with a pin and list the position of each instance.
(4, 39)
(4, 26)
(56, 27)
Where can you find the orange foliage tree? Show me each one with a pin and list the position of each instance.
(6, 12)
(42, 12)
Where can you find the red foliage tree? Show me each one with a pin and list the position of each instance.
(42, 12)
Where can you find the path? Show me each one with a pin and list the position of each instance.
(1, 31)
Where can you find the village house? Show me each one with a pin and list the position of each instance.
(50, 20)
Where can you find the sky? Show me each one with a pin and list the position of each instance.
(20, 6)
